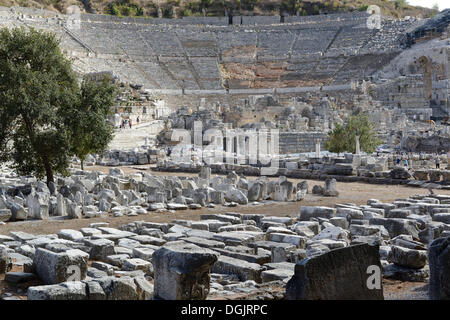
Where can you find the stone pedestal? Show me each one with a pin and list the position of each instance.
(182, 271)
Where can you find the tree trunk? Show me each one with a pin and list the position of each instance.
(48, 170)
(82, 165)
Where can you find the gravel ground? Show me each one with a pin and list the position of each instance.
(397, 290)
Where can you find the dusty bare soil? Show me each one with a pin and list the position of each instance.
(398, 290)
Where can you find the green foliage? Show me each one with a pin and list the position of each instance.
(186, 13)
(39, 97)
(91, 133)
(250, 4)
(124, 8)
(337, 139)
(342, 138)
(436, 10)
(291, 6)
(37, 86)
(400, 4)
(363, 8)
(206, 3)
(316, 9)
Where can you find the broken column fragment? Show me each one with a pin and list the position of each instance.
(182, 271)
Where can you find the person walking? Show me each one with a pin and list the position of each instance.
(137, 120)
(130, 123)
(405, 162)
(437, 162)
(398, 161)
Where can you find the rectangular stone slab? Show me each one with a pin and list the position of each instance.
(337, 275)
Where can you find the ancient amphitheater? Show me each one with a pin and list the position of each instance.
(234, 64)
(136, 221)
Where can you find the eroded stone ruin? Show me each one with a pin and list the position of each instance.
(299, 77)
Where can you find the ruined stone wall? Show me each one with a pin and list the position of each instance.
(298, 142)
(343, 96)
(416, 81)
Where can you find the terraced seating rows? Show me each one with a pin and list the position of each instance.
(192, 53)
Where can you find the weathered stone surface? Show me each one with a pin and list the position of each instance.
(439, 260)
(339, 222)
(396, 226)
(123, 288)
(255, 191)
(136, 264)
(5, 260)
(74, 290)
(100, 248)
(318, 190)
(259, 258)
(330, 188)
(5, 215)
(296, 240)
(408, 258)
(69, 234)
(400, 173)
(316, 212)
(364, 230)
(95, 291)
(442, 217)
(182, 271)
(236, 195)
(338, 274)
(145, 289)
(332, 233)
(19, 277)
(396, 272)
(118, 259)
(237, 237)
(18, 212)
(349, 213)
(276, 274)
(242, 269)
(54, 267)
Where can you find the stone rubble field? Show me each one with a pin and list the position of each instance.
(93, 194)
(221, 254)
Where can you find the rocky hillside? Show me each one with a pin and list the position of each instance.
(178, 8)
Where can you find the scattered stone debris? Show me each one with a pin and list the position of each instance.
(324, 253)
